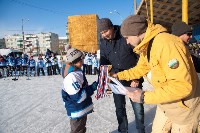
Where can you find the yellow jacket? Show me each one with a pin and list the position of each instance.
(175, 89)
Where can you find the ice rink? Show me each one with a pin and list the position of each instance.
(35, 106)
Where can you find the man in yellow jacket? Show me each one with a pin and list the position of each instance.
(176, 84)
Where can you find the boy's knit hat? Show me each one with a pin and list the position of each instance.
(180, 28)
(104, 24)
(134, 25)
(73, 55)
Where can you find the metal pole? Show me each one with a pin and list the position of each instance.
(185, 11)
(151, 10)
(135, 6)
(23, 46)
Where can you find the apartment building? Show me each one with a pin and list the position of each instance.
(33, 44)
(2, 43)
(48, 41)
(63, 43)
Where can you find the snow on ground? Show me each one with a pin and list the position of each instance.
(35, 106)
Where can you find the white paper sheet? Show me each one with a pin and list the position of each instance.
(118, 88)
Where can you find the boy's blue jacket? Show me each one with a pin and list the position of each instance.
(76, 94)
(18, 61)
(40, 63)
(11, 61)
(3, 62)
(31, 63)
(24, 61)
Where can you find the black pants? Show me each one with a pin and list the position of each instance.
(95, 70)
(11, 69)
(49, 71)
(2, 70)
(84, 68)
(54, 67)
(24, 68)
(38, 71)
(58, 69)
(18, 68)
(89, 69)
(32, 69)
(78, 125)
(120, 104)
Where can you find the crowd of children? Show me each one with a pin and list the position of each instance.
(23, 65)
(90, 64)
(195, 48)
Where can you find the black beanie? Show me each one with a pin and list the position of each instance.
(133, 25)
(180, 28)
(104, 24)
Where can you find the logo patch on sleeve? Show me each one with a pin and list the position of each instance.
(173, 63)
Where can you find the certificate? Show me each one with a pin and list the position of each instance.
(118, 88)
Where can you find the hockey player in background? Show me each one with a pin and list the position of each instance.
(18, 63)
(40, 65)
(95, 64)
(24, 67)
(11, 64)
(32, 65)
(54, 61)
(48, 65)
(2, 66)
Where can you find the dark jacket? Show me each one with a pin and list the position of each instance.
(196, 61)
(117, 52)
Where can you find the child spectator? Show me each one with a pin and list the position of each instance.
(54, 61)
(40, 65)
(76, 93)
(24, 60)
(60, 64)
(2, 65)
(48, 65)
(11, 64)
(89, 64)
(95, 64)
(32, 64)
(18, 62)
(85, 64)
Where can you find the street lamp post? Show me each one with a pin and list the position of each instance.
(115, 11)
(23, 43)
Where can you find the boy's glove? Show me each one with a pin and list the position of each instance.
(94, 86)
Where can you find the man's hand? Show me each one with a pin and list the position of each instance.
(135, 96)
(114, 75)
(134, 83)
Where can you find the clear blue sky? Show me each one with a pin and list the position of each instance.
(51, 15)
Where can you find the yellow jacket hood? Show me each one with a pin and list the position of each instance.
(151, 32)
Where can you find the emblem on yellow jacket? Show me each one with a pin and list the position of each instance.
(173, 63)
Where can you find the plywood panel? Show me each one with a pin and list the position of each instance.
(83, 32)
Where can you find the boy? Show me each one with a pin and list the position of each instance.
(18, 64)
(2, 65)
(24, 61)
(76, 93)
(40, 65)
(95, 64)
(32, 64)
(48, 65)
(11, 64)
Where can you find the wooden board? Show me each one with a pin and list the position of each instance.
(83, 32)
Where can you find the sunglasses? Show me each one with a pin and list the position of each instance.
(189, 34)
